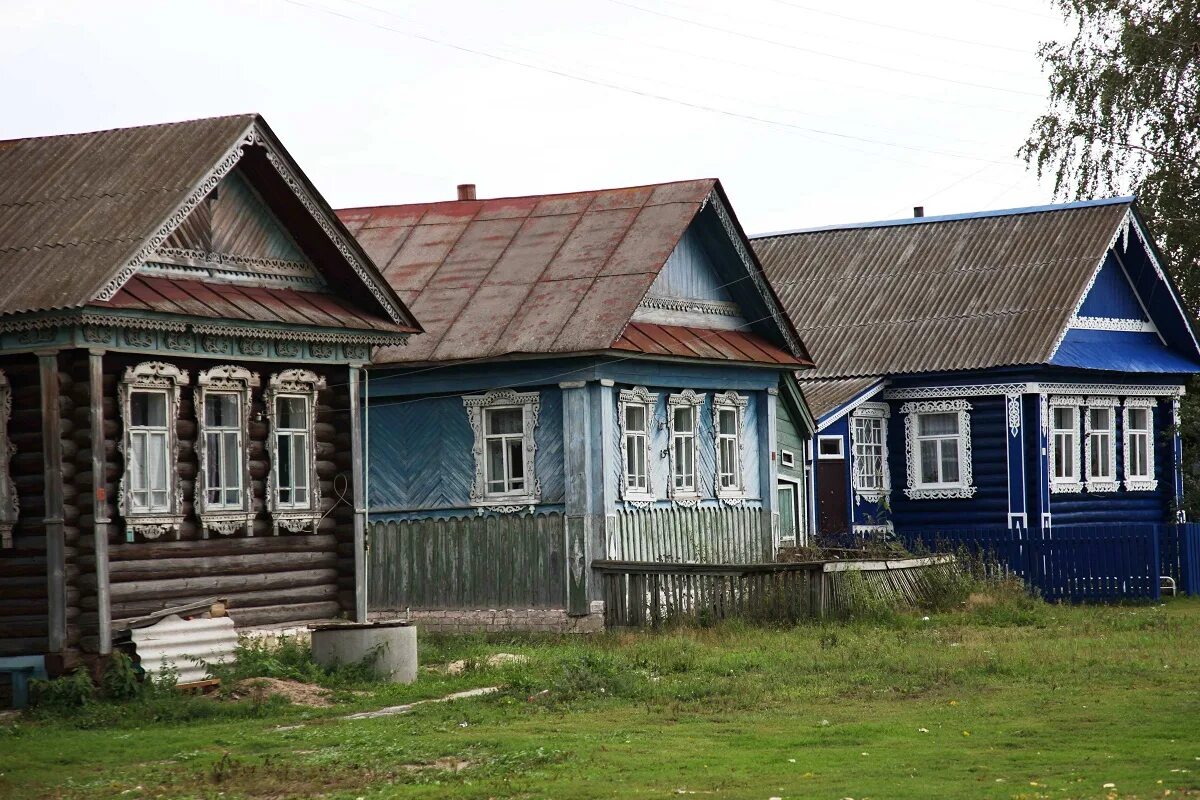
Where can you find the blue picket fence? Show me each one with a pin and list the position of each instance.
(1083, 563)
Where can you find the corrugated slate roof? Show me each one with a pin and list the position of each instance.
(939, 293)
(823, 396)
(687, 342)
(543, 274)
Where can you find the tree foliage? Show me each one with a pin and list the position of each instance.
(1124, 117)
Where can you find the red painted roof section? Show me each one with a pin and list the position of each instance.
(675, 340)
(542, 274)
(246, 303)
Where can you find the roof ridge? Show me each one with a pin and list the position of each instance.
(967, 215)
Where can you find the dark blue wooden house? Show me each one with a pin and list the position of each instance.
(1017, 368)
(599, 380)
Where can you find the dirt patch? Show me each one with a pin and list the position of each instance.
(301, 694)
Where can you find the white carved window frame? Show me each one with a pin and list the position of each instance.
(168, 380)
(530, 405)
(689, 496)
(226, 379)
(637, 396)
(964, 487)
(873, 412)
(305, 384)
(1072, 484)
(10, 501)
(1147, 482)
(730, 401)
(1110, 484)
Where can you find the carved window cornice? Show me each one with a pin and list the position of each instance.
(237, 381)
(10, 501)
(730, 401)
(962, 488)
(530, 405)
(637, 396)
(304, 384)
(167, 379)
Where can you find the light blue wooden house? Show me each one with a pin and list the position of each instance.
(1017, 368)
(599, 381)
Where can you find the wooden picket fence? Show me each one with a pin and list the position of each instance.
(1084, 562)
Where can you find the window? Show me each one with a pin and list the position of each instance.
(683, 411)
(791, 520)
(637, 414)
(1100, 455)
(938, 449)
(223, 408)
(1139, 444)
(294, 494)
(151, 495)
(787, 459)
(830, 447)
(729, 410)
(9, 499)
(1064, 447)
(868, 431)
(503, 422)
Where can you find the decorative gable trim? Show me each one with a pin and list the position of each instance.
(1111, 324)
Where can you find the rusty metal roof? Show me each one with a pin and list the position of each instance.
(219, 300)
(823, 396)
(75, 209)
(939, 293)
(718, 345)
(554, 273)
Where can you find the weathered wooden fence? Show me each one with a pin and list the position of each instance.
(639, 594)
(725, 535)
(1081, 563)
(468, 563)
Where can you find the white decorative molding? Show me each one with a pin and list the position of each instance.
(684, 497)
(971, 390)
(862, 397)
(639, 396)
(1112, 324)
(305, 384)
(1092, 485)
(716, 308)
(730, 401)
(1013, 403)
(1074, 484)
(1148, 483)
(871, 411)
(238, 381)
(506, 509)
(169, 380)
(965, 486)
(1032, 387)
(530, 403)
(10, 500)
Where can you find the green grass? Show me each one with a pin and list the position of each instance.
(1011, 699)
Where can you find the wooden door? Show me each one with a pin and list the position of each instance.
(832, 508)
(789, 515)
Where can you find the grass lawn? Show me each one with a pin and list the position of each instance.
(1012, 700)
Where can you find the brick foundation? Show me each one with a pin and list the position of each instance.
(549, 620)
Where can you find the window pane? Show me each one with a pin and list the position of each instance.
(1099, 418)
(504, 420)
(949, 461)
(728, 421)
(156, 460)
(148, 409)
(300, 458)
(938, 424)
(635, 418)
(516, 459)
(683, 418)
(221, 410)
(929, 457)
(284, 456)
(1064, 418)
(495, 465)
(215, 457)
(231, 460)
(1138, 419)
(292, 412)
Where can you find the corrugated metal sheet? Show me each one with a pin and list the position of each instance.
(185, 645)
(943, 294)
(251, 303)
(675, 340)
(542, 274)
(824, 396)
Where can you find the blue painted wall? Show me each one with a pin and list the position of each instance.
(690, 272)
(1111, 296)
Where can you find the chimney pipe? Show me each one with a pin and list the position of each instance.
(918, 211)
(466, 191)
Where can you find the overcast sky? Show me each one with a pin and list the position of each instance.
(810, 112)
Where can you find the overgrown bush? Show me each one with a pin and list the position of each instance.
(288, 658)
(68, 693)
(120, 680)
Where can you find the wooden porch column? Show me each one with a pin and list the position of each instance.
(56, 548)
(100, 499)
(577, 444)
(359, 497)
(1015, 439)
(1040, 485)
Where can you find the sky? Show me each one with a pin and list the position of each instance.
(810, 112)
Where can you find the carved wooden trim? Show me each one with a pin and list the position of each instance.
(10, 501)
(239, 381)
(530, 403)
(638, 395)
(293, 383)
(169, 379)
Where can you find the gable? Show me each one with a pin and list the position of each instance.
(1112, 296)
(690, 290)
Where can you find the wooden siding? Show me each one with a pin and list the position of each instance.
(689, 273)
(718, 534)
(421, 457)
(789, 436)
(1111, 295)
(512, 561)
